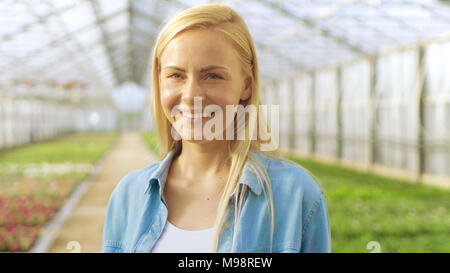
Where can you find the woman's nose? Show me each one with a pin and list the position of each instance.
(192, 90)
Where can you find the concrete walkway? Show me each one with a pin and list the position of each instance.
(85, 225)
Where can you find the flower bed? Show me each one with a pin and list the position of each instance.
(22, 217)
(32, 190)
(17, 237)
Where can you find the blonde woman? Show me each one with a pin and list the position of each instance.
(222, 191)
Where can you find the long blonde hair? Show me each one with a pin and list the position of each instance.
(230, 23)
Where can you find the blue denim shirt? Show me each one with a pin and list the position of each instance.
(136, 213)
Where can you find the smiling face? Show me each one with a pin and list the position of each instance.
(200, 63)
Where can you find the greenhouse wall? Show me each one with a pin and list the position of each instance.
(392, 110)
(27, 121)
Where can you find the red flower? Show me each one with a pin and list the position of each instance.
(9, 229)
(14, 246)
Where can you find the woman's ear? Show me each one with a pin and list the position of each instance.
(247, 92)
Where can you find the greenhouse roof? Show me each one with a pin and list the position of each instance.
(103, 43)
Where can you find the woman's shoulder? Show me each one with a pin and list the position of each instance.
(289, 177)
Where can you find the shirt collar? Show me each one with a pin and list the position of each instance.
(159, 175)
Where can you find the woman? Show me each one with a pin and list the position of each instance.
(216, 191)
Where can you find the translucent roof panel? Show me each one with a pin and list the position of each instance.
(105, 43)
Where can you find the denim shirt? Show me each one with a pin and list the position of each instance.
(136, 213)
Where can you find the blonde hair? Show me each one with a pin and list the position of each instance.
(224, 19)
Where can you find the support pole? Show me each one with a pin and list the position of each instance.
(2, 121)
(373, 114)
(422, 89)
(339, 140)
(292, 129)
(312, 125)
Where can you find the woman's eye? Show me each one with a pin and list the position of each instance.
(175, 76)
(213, 76)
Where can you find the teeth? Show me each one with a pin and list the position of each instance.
(189, 115)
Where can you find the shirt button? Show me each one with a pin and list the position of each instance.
(226, 224)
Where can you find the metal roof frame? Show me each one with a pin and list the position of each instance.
(315, 34)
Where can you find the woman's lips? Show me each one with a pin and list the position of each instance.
(195, 118)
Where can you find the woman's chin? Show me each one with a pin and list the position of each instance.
(198, 138)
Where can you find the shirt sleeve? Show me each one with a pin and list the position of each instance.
(316, 237)
(108, 227)
(115, 220)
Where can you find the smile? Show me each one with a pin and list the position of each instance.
(197, 117)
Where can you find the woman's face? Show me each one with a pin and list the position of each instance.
(201, 67)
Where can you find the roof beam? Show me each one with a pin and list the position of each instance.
(79, 60)
(313, 25)
(106, 41)
(155, 21)
(144, 34)
(71, 62)
(40, 20)
(131, 66)
(434, 13)
(89, 48)
(67, 36)
(142, 68)
(296, 65)
(87, 73)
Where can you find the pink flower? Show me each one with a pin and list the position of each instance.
(14, 246)
(9, 229)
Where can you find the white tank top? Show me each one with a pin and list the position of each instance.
(176, 240)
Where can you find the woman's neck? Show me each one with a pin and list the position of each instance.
(207, 159)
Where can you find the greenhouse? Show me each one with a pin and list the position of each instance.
(363, 90)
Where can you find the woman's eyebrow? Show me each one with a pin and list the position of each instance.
(174, 67)
(211, 67)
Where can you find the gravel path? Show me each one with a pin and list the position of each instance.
(82, 230)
